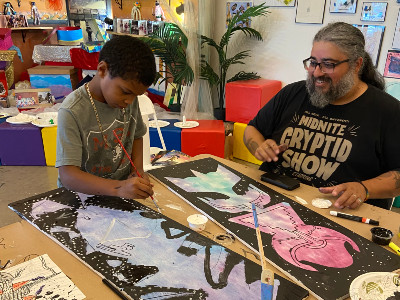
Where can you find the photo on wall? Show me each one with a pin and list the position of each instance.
(373, 11)
(373, 35)
(343, 6)
(237, 8)
(310, 11)
(392, 66)
(396, 37)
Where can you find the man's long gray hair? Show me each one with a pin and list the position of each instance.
(351, 41)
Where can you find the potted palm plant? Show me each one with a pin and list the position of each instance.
(169, 44)
(218, 78)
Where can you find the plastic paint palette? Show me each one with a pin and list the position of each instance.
(375, 286)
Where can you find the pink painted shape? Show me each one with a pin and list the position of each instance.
(295, 241)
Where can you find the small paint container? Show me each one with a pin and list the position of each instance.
(381, 236)
(197, 222)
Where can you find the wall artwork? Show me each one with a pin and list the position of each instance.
(373, 35)
(279, 3)
(237, 8)
(392, 66)
(343, 6)
(144, 253)
(86, 9)
(310, 11)
(298, 241)
(373, 11)
(396, 37)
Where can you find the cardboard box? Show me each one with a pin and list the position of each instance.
(61, 80)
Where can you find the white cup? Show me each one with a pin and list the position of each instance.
(197, 222)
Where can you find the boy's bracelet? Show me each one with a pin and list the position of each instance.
(365, 188)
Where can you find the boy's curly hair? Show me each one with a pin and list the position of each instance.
(129, 58)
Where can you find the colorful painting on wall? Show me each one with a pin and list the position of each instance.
(396, 37)
(298, 241)
(237, 8)
(392, 66)
(373, 35)
(144, 253)
(373, 11)
(343, 6)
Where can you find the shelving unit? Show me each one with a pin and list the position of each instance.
(24, 30)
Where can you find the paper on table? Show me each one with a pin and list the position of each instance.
(37, 277)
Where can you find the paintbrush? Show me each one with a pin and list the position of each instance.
(133, 165)
(267, 276)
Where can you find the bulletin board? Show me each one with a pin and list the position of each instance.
(51, 11)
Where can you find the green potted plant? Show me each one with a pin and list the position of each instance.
(169, 44)
(218, 78)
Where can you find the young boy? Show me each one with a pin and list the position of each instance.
(89, 158)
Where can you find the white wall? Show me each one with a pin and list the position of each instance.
(287, 43)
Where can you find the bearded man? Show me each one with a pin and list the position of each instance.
(338, 130)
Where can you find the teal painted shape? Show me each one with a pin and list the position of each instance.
(393, 89)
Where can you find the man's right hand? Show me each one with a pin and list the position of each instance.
(268, 151)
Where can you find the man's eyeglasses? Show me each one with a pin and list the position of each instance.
(311, 64)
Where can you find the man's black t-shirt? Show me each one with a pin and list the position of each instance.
(339, 143)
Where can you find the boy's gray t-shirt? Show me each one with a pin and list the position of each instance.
(80, 142)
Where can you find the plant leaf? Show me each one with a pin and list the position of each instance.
(244, 76)
(208, 74)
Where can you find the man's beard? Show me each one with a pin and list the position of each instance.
(320, 99)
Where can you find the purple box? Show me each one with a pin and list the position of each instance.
(21, 145)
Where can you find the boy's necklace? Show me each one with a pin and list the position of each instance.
(98, 119)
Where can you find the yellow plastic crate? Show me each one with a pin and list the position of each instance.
(239, 149)
(49, 137)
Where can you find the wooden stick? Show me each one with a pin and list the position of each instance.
(133, 165)
(267, 276)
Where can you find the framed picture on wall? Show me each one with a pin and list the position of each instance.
(279, 3)
(396, 37)
(82, 10)
(373, 11)
(343, 6)
(373, 35)
(237, 8)
(310, 11)
(392, 66)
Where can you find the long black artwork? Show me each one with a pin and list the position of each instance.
(146, 254)
(320, 254)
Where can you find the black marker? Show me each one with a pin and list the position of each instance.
(116, 290)
(354, 218)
